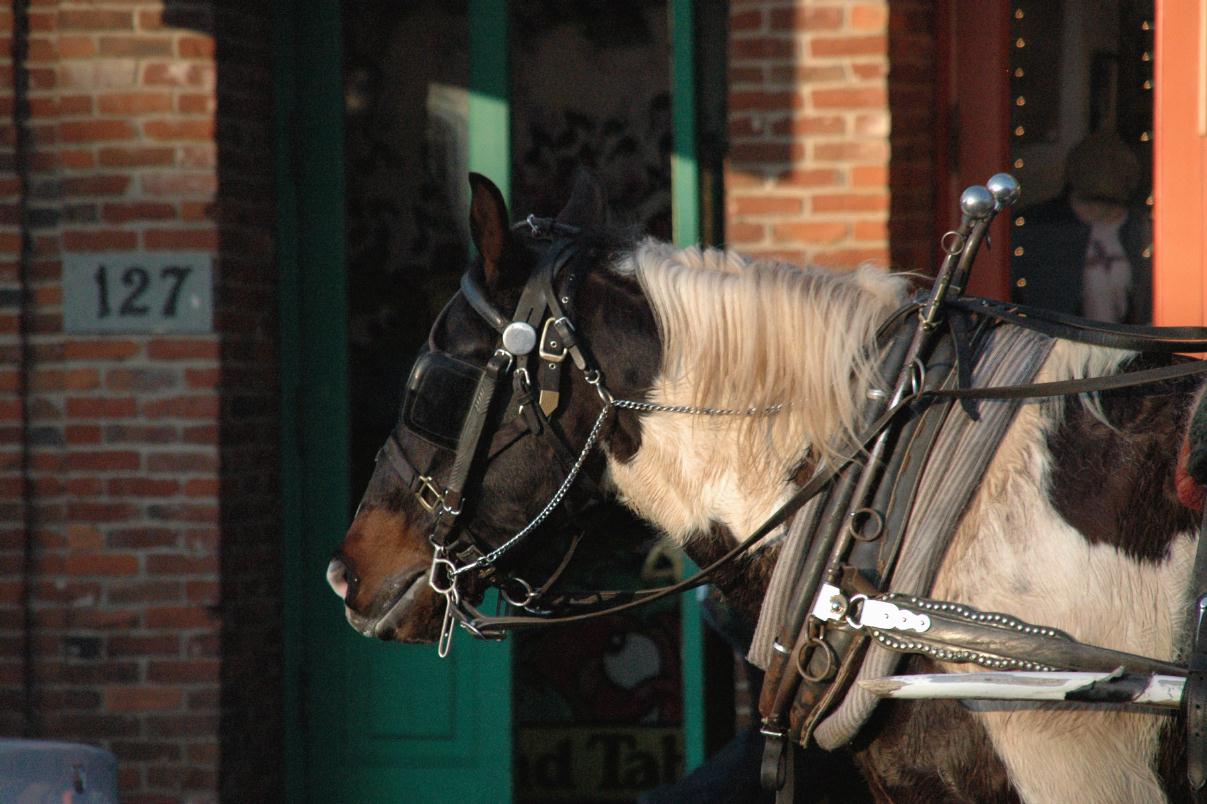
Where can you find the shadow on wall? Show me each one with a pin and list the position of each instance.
(250, 593)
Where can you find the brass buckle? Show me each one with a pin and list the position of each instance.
(545, 354)
(435, 496)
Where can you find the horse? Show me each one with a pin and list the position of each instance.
(1080, 522)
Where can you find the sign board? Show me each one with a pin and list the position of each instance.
(136, 292)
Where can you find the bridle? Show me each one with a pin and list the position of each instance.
(518, 352)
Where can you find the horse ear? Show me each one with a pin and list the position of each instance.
(587, 204)
(488, 226)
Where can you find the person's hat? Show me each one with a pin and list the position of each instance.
(1102, 168)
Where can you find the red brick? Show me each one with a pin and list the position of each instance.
(100, 407)
(176, 129)
(760, 48)
(195, 47)
(141, 538)
(139, 592)
(852, 151)
(180, 617)
(140, 434)
(869, 176)
(746, 20)
(811, 232)
(766, 152)
(743, 232)
(182, 349)
(869, 17)
(177, 564)
(850, 98)
(138, 47)
(141, 379)
(766, 205)
(182, 462)
(871, 230)
(133, 103)
(202, 487)
(137, 211)
(179, 74)
(102, 564)
(178, 183)
(137, 156)
(764, 101)
(99, 349)
(95, 20)
(166, 239)
(135, 646)
(823, 47)
(76, 47)
(95, 130)
(191, 671)
(182, 407)
(82, 434)
(194, 103)
(95, 185)
(852, 257)
(143, 699)
(99, 240)
(202, 378)
(851, 202)
(800, 18)
(810, 177)
(142, 487)
(83, 379)
(104, 460)
(76, 159)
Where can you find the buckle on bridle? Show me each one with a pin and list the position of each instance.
(430, 497)
(545, 353)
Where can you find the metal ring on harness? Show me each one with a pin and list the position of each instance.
(958, 241)
(861, 516)
(450, 569)
(529, 594)
(827, 669)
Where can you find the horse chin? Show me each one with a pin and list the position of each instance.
(412, 615)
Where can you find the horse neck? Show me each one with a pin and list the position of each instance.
(746, 336)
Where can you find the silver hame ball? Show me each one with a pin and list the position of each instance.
(977, 202)
(1005, 189)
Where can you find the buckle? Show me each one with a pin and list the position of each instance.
(545, 354)
(435, 496)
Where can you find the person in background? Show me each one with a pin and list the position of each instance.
(1088, 251)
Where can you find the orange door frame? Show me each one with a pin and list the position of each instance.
(1180, 163)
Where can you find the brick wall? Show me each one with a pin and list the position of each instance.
(819, 123)
(128, 441)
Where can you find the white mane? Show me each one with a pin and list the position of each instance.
(738, 333)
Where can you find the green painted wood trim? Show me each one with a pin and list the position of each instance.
(490, 155)
(685, 170)
(314, 358)
(685, 221)
(489, 98)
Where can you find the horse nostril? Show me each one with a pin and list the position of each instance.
(337, 578)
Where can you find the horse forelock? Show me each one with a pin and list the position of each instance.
(753, 334)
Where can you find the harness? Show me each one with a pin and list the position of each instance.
(839, 603)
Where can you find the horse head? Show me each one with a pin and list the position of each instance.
(491, 423)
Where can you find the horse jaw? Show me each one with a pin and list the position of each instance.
(390, 598)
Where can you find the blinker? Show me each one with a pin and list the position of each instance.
(438, 396)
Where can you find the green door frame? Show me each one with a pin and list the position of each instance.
(313, 355)
(685, 223)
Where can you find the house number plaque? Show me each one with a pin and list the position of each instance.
(136, 292)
